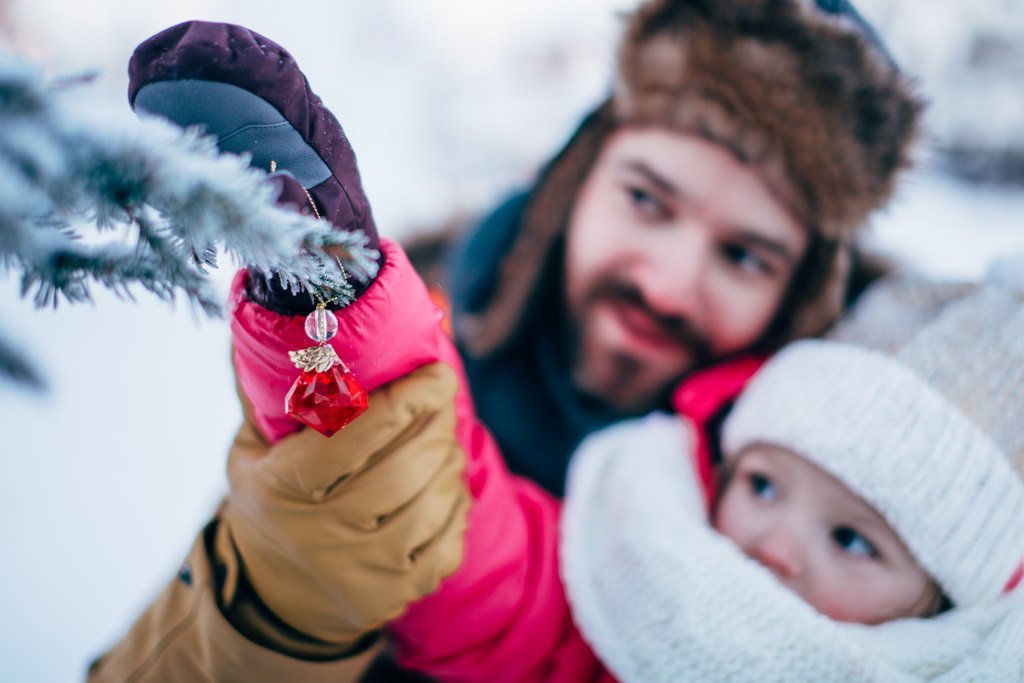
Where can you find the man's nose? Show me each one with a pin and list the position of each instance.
(779, 550)
(676, 272)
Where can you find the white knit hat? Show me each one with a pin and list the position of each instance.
(916, 403)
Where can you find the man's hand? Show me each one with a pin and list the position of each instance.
(336, 536)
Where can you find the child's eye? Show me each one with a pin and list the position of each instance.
(851, 541)
(761, 486)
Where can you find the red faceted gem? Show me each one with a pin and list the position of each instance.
(326, 401)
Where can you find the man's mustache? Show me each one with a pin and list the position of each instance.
(676, 327)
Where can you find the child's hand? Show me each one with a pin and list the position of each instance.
(249, 92)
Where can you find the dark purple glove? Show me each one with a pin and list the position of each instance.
(249, 92)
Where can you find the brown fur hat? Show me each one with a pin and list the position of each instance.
(802, 90)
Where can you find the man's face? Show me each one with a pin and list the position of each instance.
(820, 540)
(676, 253)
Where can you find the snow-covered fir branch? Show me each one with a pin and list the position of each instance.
(66, 178)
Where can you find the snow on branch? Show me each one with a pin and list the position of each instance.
(66, 178)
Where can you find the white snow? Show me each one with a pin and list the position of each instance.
(105, 480)
(969, 57)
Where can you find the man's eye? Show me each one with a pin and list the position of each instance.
(761, 486)
(851, 541)
(745, 259)
(644, 202)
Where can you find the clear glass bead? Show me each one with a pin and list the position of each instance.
(321, 325)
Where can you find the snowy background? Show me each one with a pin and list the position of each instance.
(106, 478)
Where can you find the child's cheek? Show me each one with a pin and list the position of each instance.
(727, 514)
(847, 605)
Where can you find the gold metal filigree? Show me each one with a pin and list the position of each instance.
(319, 358)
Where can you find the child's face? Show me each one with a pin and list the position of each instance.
(820, 540)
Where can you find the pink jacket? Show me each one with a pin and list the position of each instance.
(502, 615)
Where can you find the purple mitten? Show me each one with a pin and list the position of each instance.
(249, 92)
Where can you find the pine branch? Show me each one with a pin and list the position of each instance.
(179, 201)
(16, 367)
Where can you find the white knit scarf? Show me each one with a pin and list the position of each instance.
(661, 596)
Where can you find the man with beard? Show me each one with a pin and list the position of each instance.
(707, 208)
(675, 252)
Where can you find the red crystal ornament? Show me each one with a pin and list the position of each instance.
(326, 396)
(326, 401)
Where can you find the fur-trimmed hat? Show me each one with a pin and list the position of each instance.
(800, 89)
(914, 403)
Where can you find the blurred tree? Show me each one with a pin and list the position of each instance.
(969, 57)
(83, 204)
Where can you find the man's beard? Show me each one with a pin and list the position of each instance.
(616, 377)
